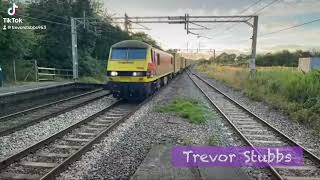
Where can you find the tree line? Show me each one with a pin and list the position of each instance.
(52, 47)
(281, 58)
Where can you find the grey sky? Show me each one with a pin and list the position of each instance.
(280, 15)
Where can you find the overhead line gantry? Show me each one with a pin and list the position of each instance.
(197, 24)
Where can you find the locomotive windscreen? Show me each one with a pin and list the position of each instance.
(128, 54)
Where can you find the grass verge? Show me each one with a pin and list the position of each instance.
(286, 89)
(191, 109)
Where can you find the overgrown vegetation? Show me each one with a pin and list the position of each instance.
(187, 108)
(284, 88)
(52, 47)
(281, 58)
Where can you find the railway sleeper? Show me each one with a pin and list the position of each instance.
(38, 164)
(53, 155)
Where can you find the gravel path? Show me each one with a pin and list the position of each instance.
(19, 140)
(298, 132)
(119, 154)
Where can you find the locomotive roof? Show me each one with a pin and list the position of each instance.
(131, 44)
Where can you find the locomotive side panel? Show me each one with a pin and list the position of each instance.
(164, 63)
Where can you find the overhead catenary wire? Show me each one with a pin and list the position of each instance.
(284, 29)
(241, 12)
(49, 14)
(291, 27)
(250, 6)
(45, 20)
(54, 22)
(266, 6)
(50, 21)
(256, 13)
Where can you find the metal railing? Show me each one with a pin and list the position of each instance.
(51, 74)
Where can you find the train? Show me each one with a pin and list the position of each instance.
(136, 70)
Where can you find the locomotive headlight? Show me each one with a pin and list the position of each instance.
(137, 74)
(114, 73)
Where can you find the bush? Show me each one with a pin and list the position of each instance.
(24, 70)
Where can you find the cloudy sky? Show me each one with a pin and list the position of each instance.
(282, 14)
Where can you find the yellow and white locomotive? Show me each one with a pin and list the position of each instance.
(136, 70)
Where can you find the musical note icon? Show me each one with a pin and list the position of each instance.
(12, 10)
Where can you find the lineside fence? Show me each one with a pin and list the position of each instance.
(51, 74)
(26, 70)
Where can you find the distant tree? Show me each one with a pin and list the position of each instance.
(316, 53)
(54, 44)
(281, 58)
(226, 58)
(243, 58)
(303, 54)
(52, 47)
(14, 44)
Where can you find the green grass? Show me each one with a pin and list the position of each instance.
(286, 89)
(187, 108)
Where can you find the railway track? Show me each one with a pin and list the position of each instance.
(51, 156)
(256, 132)
(19, 101)
(13, 122)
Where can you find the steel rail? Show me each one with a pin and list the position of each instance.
(3, 118)
(309, 153)
(74, 156)
(13, 158)
(63, 165)
(273, 170)
(277, 131)
(42, 118)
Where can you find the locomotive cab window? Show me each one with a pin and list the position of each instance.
(128, 54)
(119, 54)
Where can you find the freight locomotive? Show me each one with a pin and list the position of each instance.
(136, 70)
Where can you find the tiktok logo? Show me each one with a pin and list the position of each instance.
(12, 10)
